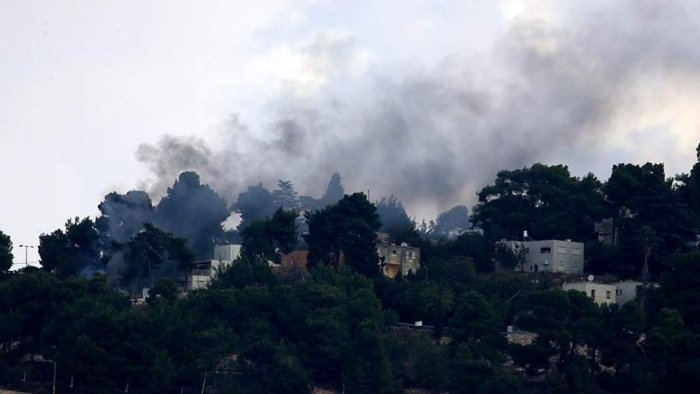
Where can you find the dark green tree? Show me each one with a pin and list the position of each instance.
(544, 200)
(268, 368)
(396, 222)
(451, 223)
(193, 211)
(265, 240)
(71, 251)
(153, 253)
(256, 203)
(6, 256)
(346, 231)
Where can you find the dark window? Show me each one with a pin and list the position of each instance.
(545, 249)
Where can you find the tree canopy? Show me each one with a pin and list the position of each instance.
(6, 256)
(345, 229)
(546, 201)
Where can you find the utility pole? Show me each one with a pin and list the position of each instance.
(26, 247)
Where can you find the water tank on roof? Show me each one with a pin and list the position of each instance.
(404, 245)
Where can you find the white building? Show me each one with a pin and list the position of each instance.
(626, 291)
(600, 293)
(202, 272)
(607, 293)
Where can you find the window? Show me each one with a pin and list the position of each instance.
(561, 250)
(607, 294)
(545, 249)
(593, 293)
(576, 251)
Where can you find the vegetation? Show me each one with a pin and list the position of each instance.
(341, 325)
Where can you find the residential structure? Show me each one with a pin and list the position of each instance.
(398, 259)
(626, 291)
(553, 256)
(607, 293)
(292, 264)
(600, 293)
(547, 256)
(202, 272)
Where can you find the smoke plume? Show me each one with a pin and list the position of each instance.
(564, 91)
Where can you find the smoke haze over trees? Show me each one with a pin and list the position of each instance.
(547, 92)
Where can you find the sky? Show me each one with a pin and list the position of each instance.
(426, 100)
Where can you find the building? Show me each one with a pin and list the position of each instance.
(600, 293)
(398, 259)
(607, 293)
(202, 272)
(293, 263)
(626, 291)
(549, 256)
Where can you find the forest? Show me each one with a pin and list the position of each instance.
(340, 325)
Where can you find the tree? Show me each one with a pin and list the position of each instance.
(510, 257)
(266, 239)
(680, 288)
(285, 196)
(334, 191)
(565, 323)
(396, 222)
(367, 369)
(123, 215)
(641, 196)
(267, 368)
(544, 200)
(193, 211)
(345, 229)
(256, 203)
(452, 223)
(74, 251)
(155, 250)
(6, 256)
(647, 240)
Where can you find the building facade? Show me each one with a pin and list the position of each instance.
(202, 272)
(552, 256)
(398, 259)
(607, 293)
(600, 293)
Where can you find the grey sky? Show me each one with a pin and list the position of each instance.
(277, 89)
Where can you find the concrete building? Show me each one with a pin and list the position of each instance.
(600, 293)
(607, 293)
(626, 291)
(398, 259)
(552, 256)
(202, 272)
